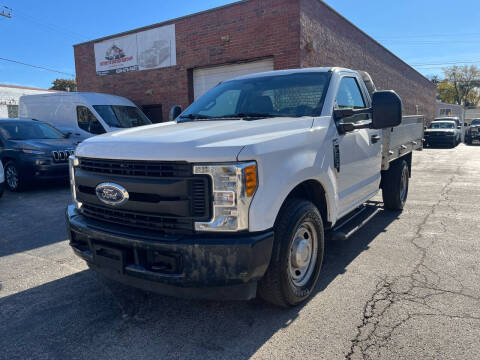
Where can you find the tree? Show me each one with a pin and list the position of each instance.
(446, 92)
(64, 85)
(460, 85)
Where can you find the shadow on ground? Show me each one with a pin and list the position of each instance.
(83, 316)
(33, 218)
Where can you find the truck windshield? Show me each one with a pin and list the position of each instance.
(291, 95)
(122, 116)
(476, 122)
(29, 130)
(442, 125)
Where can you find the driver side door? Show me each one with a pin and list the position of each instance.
(87, 123)
(359, 162)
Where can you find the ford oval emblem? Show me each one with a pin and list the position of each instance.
(111, 194)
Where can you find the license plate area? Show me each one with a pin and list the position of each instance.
(109, 257)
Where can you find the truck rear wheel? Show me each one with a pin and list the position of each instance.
(395, 185)
(297, 255)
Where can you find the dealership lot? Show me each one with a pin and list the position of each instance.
(405, 286)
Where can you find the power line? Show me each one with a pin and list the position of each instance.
(426, 36)
(59, 30)
(37, 67)
(52, 27)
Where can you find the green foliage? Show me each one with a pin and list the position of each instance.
(461, 85)
(64, 85)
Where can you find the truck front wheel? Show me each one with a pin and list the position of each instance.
(297, 254)
(395, 185)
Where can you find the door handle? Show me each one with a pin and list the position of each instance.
(375, 138)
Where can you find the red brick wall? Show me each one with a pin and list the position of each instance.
(296, 33)
(256, 28)
(328, 39)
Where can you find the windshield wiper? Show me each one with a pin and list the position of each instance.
(195, 117)
(250, 115)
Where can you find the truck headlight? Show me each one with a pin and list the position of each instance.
(73, 163)
(233, 188)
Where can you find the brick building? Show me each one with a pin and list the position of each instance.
(236, 39)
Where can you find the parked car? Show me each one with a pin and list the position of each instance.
(82, 114)
(32, 150)
(473, 132)
(443, 132)
(2, 179)
(460, 126)
(238, 193)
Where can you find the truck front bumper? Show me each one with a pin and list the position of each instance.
(210, 266)
(439, 140)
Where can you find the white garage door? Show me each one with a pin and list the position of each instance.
(205, 79)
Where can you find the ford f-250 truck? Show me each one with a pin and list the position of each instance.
(236, 196)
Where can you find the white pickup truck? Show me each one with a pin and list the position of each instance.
(236, 196)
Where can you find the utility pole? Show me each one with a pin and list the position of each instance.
(6, 12)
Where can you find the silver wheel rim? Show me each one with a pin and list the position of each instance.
(303, 254)
(404, 185)
(12, 177)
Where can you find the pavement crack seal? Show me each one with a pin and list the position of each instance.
(397, 300)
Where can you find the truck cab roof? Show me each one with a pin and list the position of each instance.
(294, 71)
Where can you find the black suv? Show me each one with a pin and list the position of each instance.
(33, 150)
(473, 132)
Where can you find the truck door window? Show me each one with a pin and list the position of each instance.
(88, 122)
(349, 96)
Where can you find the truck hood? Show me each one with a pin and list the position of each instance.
(193, 141)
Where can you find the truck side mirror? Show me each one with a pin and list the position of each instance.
(386, 109)
(175, 111)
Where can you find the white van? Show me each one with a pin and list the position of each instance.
(82, 114)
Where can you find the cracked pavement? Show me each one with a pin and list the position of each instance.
(405, 286)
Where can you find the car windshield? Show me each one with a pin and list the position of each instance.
(442, 125)
(122, 116)
(476, 122)
(291, 95)
(29, 130)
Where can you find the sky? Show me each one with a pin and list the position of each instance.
(428, 34)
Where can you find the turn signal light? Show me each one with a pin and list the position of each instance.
(250, 179)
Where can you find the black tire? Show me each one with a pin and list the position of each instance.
(278, 286)
(13, 178)
(394, 191)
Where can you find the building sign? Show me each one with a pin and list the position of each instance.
(149, 49)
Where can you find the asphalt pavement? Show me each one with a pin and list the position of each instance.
(406, 286)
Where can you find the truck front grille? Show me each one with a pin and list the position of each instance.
(136, 168)
(163, 196)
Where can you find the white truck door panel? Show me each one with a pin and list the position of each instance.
(358, 169)
(358, 176)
